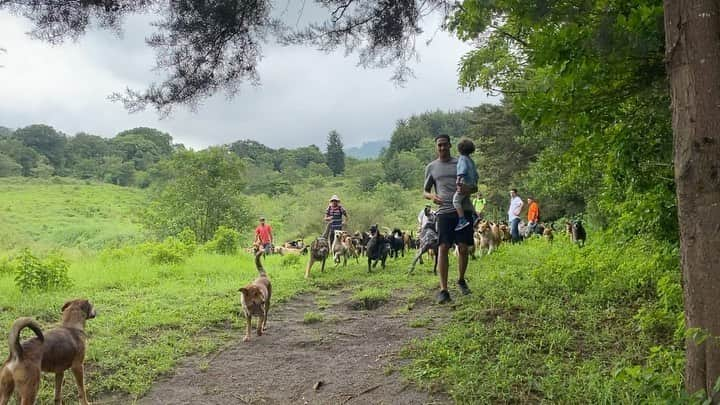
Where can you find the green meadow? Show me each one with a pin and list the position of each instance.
(545, 323)
(66, 213)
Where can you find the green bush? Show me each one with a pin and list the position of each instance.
(43, 275)
(225, 241)
(169, 251)
(189, 239)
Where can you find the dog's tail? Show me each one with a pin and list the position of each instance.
(16, 351)
(258, 264)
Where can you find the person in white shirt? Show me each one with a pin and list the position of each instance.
(516, 205)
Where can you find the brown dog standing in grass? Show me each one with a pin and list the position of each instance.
(58, 350)
(255, 299)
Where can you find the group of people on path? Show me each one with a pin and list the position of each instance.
(449, 183)
(335, 216)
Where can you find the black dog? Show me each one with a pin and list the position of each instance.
(578, 233)
(377, 248)
(397, 243)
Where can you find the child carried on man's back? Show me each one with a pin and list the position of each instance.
(466, 176)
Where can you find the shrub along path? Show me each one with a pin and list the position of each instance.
(323, 348)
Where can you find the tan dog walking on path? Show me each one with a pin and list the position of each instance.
(319, 251)
(55, 351)
(255, 299)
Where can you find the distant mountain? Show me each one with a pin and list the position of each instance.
(368, 150)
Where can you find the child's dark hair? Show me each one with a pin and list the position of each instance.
(466, 146)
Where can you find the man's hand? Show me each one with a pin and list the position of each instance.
(436, 199)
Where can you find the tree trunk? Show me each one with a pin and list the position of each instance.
(692, 39)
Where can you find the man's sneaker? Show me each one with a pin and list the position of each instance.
(462, 223)
(464, 289)
(476, 220)
(443, 297)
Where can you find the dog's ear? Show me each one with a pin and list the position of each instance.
(65, 305)
(243, 290)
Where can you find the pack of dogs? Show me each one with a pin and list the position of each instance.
(64, 347)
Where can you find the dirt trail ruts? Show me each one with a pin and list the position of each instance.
(351, 354)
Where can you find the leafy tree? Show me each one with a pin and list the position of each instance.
(46, 141)
(162, 140)
(142, 146)
(306, 155)
(8, 166)
(586, 80)
(117, 172)
(409, 133)
(24, 156)
(404, 169)
(86, 146)
(256, 152)
(335, 156)
(204, 191)
(84, 154)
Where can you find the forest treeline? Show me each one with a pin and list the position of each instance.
(577, 176)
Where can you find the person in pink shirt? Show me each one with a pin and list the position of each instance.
(263, 235)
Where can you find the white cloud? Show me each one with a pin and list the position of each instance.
(304, 93)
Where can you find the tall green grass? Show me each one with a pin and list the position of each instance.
(149, 316)
(559, 324)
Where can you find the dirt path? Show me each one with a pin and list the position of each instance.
(352, 353)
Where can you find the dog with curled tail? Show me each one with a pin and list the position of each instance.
(54, 351)
(255, 299)
(21, 371)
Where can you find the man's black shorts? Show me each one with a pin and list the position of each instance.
(447, 235)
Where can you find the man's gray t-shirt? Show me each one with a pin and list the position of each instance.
(443, 175)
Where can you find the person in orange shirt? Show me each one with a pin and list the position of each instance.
(263, 234)
(533, 215)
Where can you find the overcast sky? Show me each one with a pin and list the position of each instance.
(303, 95)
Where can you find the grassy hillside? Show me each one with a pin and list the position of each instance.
(60, 212)
(553, 323)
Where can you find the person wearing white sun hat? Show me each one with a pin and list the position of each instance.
(334, 217)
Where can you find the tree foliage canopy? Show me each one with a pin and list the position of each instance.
(205, 192)
(587, 80)
(211, 46)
